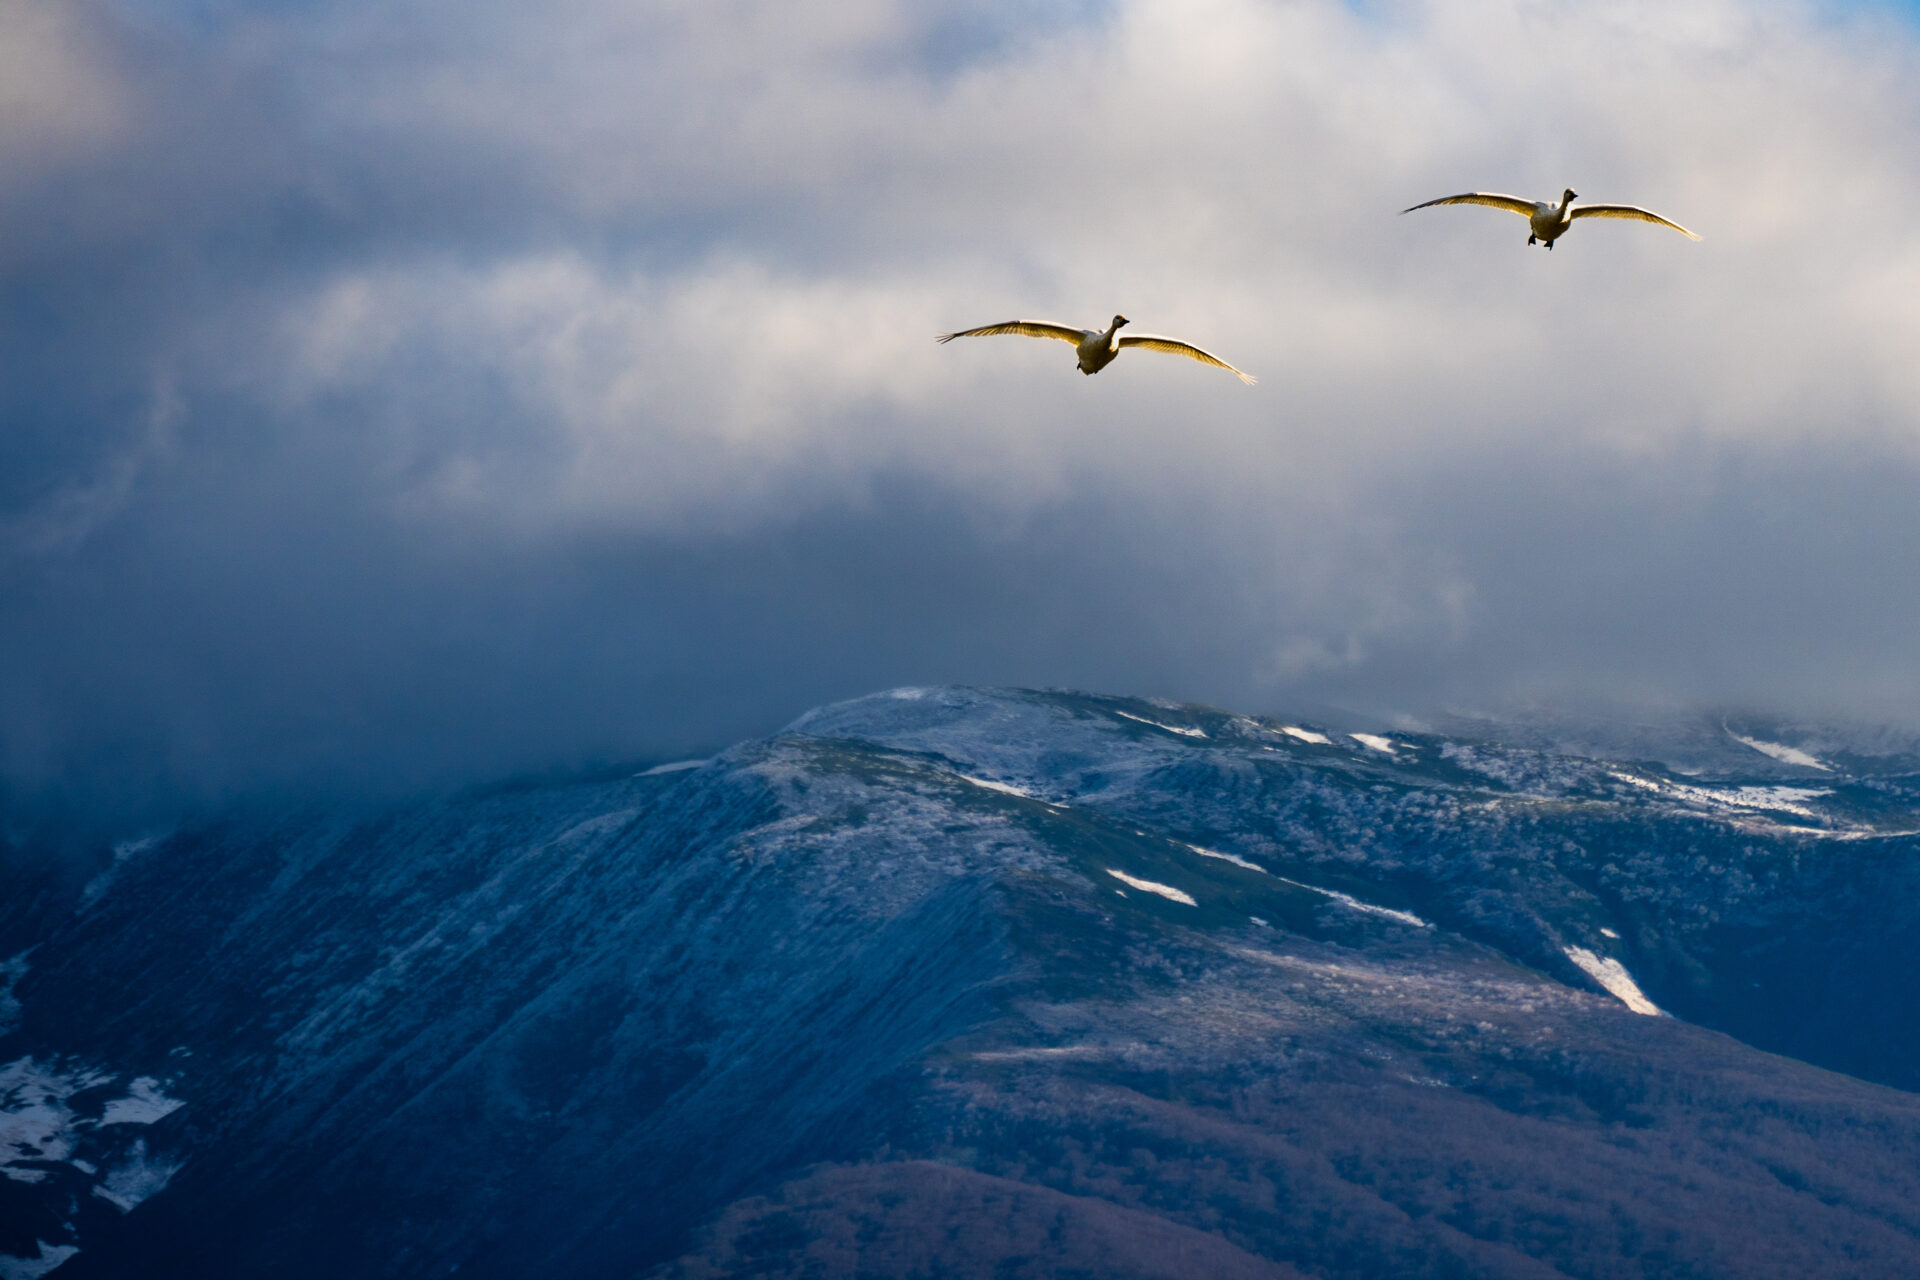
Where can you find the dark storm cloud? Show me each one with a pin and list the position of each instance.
(402, 395)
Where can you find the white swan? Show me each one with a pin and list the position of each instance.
(1097, 347)
(1549, 220)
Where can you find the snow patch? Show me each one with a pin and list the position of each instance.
(1041, 1053)
(1228, 857)
(1149, 886)
(1170, 728)
(40, 1127)
(1348, 900)
(144, 1104)
(595, 826)
(1613, 975)
(1784, 754)
(1779, 799)
(45, 1258)
(36, 1125)
(1374, 741)
(1306, 735)
(673, 767)
(98, 886)
(1003, 788)
(139, 1177)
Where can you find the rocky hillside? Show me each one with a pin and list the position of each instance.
(995, 983)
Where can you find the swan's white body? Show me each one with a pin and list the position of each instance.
(1098, 347)
(1550, 221)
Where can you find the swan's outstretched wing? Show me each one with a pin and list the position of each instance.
(1025, 328)
(1627, 211)
(1512, 204)
(1154, 342)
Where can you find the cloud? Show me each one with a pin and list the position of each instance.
(414, 392)
(60, 97)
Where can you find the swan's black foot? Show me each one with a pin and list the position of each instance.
(1533, 239)
(1549, 246)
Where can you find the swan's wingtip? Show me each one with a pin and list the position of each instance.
(1247, 378)
(945, 337)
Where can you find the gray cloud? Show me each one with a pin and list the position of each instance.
(399, 396)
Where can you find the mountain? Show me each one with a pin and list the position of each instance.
(969, 982)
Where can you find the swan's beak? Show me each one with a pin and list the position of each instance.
(1120, 320)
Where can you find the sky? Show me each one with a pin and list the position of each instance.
(397, 395)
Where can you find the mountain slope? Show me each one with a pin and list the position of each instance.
(995, 982)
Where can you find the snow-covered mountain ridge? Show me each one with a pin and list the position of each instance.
(1001, 980)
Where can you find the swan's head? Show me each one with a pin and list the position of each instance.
(1118, 321)
(1571, 194)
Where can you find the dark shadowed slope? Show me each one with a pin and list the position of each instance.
(970, 983)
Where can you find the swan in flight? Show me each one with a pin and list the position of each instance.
(1098, 347)
(1549, 220)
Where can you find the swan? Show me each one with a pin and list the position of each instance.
(1098, 347)
(1550, 221)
